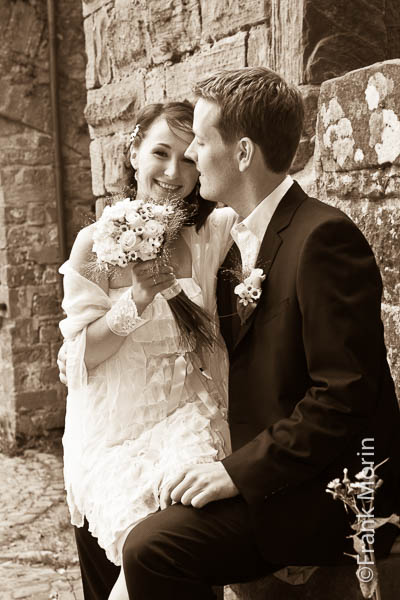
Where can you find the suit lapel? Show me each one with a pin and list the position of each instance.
(272, 241)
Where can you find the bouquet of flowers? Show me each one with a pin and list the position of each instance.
(134, 230)
(140, 230)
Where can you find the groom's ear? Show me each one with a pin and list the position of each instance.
(245, 153)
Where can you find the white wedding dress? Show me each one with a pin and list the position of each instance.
(150, 409)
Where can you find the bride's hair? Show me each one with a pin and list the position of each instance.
(179, 116)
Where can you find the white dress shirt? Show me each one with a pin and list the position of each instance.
(249, 233)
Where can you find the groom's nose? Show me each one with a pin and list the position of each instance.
(191, 153)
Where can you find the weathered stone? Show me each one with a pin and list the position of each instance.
(90, 6)
(391, 320)
(96, 156)
(260, 51)
(43, 305)
(174, 28)
(227, 16)
(98, 68)
(358, 125)
(228, 53)
(45, 255)
(329, 583)
(117, 170)
(155, 85)
(379, 223)
(21, 183)
(305, 150)
(49, 332)
(125, 39)
(90, 35)
(114, 106)
(341, 36)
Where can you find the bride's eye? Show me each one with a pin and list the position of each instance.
(161, 153)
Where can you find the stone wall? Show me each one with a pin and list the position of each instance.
(31, 398)
(357, 168)
(148, 51)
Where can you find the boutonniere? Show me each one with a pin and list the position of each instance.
(249, 292)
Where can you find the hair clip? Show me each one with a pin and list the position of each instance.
(134, 133)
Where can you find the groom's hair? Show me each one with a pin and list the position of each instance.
(256, 102)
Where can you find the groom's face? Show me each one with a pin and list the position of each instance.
(213, 157)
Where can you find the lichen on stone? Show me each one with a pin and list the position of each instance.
(377, 89)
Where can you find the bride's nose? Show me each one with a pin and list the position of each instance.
(172, 169)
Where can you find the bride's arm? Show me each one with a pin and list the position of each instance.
(101, 341)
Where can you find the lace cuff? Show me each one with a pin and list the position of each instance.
(172, 291)
(123, 317)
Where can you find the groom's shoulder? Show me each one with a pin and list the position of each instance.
(314, 211)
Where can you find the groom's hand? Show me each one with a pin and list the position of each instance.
(198, 485)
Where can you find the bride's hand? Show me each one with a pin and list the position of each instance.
(148, 279)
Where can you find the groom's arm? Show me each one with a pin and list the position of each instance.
(339, 296)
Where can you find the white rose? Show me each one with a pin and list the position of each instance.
(153, 229)
(160, 211)
(129, 240)
(117, 211)
(255, 278)
(134, 219)
(240, 290)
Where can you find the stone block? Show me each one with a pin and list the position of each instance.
(227, 16)
(341, 36)
(125, 39)
(358, 121)
(33, 182)
(155, 85)
(327, 583)
(379, 223)
(44, 255)
(35, 214)
(90, 6)
(25, 331)
(23, 29)
(96, 157)
(49, 376)
(173, 28)
(49, 332)
(27, 103)
(98, 66)
(391, 320)
(278, 43)
(260, 50)
(45, 304)
(117, 170)
(27, 148)
(19, 275)
(39, 353)
(114, 107)
(229, 53)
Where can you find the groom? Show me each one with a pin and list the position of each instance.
(310, 390)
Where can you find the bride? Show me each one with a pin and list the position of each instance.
(143, 400)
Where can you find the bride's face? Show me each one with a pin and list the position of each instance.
(160, 164)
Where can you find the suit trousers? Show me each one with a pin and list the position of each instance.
(181, 552)
(98, 573)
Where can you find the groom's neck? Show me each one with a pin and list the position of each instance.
(253, 191)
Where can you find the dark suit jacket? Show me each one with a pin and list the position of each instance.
(309, 380)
